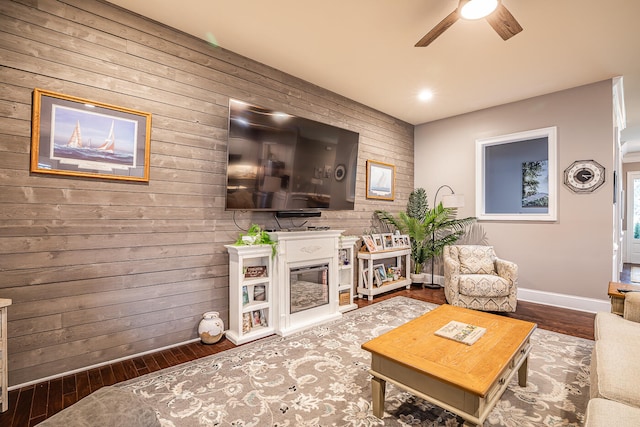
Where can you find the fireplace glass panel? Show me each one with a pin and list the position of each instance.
(309, 287)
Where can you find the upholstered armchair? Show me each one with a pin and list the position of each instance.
(474, 277)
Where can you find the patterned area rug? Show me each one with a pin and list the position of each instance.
(319, 377)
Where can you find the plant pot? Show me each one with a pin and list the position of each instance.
(418, 278)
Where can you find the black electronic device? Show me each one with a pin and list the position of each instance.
(278, 162)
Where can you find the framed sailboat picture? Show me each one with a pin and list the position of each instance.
(79, 137)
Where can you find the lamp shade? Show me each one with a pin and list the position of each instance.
(453, 201)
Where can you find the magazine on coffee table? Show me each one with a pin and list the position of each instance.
(461, 332)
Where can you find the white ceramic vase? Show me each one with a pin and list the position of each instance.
(211, 328)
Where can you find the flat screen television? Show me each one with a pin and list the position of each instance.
(280, 162)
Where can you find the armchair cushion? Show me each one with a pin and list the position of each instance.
(483, 285)
(477, 260)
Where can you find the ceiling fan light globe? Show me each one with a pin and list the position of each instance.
(478, 9)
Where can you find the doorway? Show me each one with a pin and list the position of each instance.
(633, 217)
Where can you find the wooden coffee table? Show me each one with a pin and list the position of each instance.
(465, 379)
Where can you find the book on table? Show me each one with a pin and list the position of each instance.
(461, 332)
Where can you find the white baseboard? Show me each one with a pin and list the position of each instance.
(86, 368)
(572, 302)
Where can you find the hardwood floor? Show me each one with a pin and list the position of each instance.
(32, 404)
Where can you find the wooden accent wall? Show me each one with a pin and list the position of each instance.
(98, 269)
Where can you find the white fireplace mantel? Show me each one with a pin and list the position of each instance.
(298, 249)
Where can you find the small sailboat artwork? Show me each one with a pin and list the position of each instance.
(109, 143)
(75, 141)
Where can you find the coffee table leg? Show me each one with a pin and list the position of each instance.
(522, 373)
(377, 390)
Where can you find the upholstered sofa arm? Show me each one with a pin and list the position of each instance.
(452, 270)
(507, 270)
(632, 306)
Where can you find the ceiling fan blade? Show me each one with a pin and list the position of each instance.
(504, 23)
(439, 29)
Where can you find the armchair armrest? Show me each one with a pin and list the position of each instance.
(507, 270)
(632, 306)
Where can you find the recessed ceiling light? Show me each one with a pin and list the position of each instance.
(425, 95)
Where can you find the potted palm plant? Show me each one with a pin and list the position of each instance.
(429, 230)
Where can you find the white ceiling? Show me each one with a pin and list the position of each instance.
(364, 49)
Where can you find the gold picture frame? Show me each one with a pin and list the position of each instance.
(381, 179)
(79, 137)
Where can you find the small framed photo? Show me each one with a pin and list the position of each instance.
(255, 318)
(387, 241)
(343, 257)
(398, 242)
(263, 318)
(255, 271)
(259, 293)
(377, 240)
(368, 241)
(365, 278)
(245, 295)
(380, 274)
(84, 138)
(246, 322)
(406, 241)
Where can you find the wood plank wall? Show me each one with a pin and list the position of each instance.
(100, 270)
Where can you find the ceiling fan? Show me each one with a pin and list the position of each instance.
(493, 11)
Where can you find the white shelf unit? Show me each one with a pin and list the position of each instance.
(369, 288)
(346, 271)
(250, 298)
(4, 366)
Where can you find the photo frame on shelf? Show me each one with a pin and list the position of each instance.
(343, 257)
(387, 241)
(246, 322)
(368, 242)
(259, 293)
(380, 274)
(252, 271)
(406, 241)
(365, 278)
(377, 240)
(255, 318)
(245, 295)
(84, 138)
(380, 180)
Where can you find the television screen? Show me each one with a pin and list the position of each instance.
(279, 162)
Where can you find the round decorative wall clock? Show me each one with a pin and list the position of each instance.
(340, 172)
(584, 176)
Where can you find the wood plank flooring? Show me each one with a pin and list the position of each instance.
(32, 404)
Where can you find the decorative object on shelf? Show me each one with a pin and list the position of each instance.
(584, 176)
(385, 242)
(383, 271)
(211, 328)
(84, 138)
(255, 235)
(380, 180)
